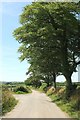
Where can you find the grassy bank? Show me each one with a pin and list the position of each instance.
(8, 101)
(71, 106)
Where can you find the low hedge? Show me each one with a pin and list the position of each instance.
(22, 90)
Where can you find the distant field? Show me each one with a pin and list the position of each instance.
(16, 84)
(12, 85)
(63, 84)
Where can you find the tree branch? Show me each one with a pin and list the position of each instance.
(78, 63)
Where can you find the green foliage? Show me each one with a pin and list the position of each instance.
(61, 84)
(43, 87)
(22, 90)
(29, 89)
(8, 101)
(49, 37)
(34, 81)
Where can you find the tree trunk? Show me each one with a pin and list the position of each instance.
(69, 88)
(47, 81)
(54, 80)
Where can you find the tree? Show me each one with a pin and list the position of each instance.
(49, 35)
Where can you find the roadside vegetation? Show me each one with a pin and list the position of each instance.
(8, 90)
(17, 87)
(8, 100)
(43, 87)
(22, 90)
(58, 95)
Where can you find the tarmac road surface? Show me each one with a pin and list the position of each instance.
(35, 105)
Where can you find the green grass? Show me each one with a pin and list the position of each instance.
(43, 87)
(20, 92)
(65, 106)
(69, 106)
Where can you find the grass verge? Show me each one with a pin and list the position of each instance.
(58, 96)
(71, 106)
